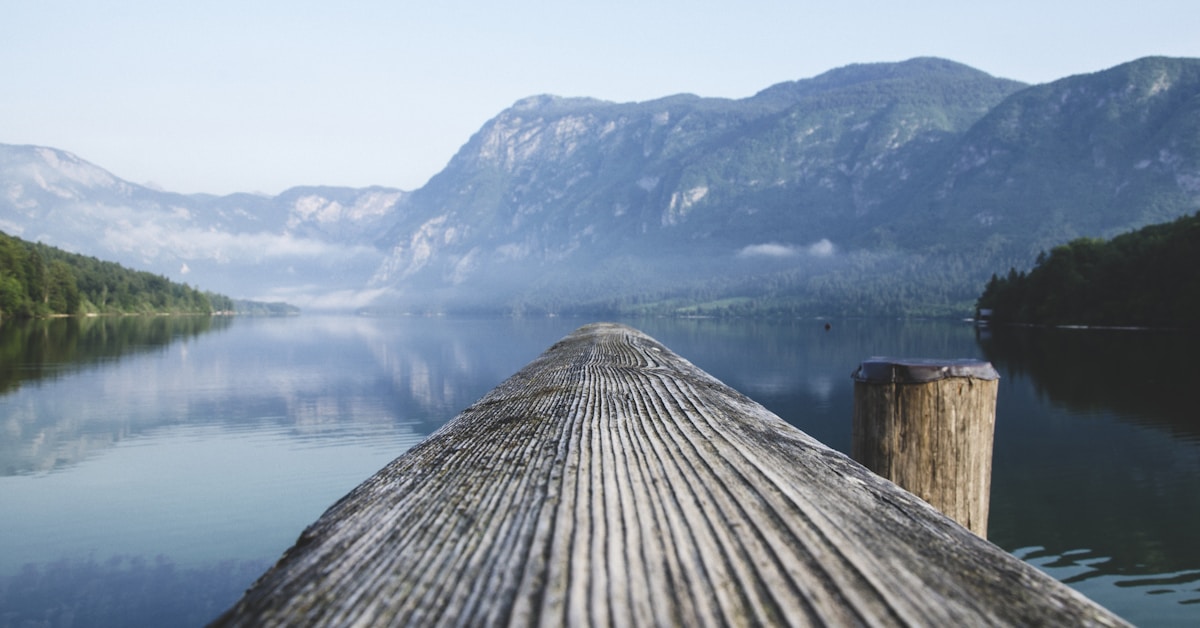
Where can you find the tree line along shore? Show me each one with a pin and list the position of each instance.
(37, 281)
(1144, 278)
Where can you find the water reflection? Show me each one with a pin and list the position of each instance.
(42, 432)
(800, 370)
(198, 449)
(202, 445)
(318, 377)
(1142, 376)
(1166, 599)
(1097, 465)
(122, 591)
(32, 350)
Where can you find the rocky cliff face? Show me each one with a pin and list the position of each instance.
(877, 188)
(1092, 155)
(892, 169)
(554, 181)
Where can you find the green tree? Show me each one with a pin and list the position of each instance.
(1149, 277)
(62, 293)
(39, 280)
(14, 303)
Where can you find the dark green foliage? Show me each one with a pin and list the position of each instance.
(1150, 277)
(220, 302)
(38, 280)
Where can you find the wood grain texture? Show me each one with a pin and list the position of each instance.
(610, 482)
(932, 438)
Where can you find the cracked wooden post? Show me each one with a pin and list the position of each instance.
(927, 425)
(611, 482)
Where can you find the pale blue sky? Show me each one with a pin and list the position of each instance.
(222, 96)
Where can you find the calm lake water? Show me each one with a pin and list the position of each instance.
(151, 469)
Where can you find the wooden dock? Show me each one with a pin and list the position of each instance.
(611, 482)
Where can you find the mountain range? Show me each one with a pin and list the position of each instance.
(886, 188)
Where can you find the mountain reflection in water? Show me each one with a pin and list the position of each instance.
(138, 452)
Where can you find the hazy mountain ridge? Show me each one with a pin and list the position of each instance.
(873, 188)
(305, 243)
(553, 179)
(1089, 155)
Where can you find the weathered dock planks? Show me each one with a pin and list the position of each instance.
(611, 482)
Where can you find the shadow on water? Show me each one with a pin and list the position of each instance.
(43, 432)
(1097, 463)
(1142, 376)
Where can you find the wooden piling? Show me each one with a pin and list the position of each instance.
(611, 482)
(927, 425)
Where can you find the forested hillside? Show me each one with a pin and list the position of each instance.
(871, 190)
(1150, 277)
(892, 189)
(39, 280)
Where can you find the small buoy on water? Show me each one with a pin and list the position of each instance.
(828, 327)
